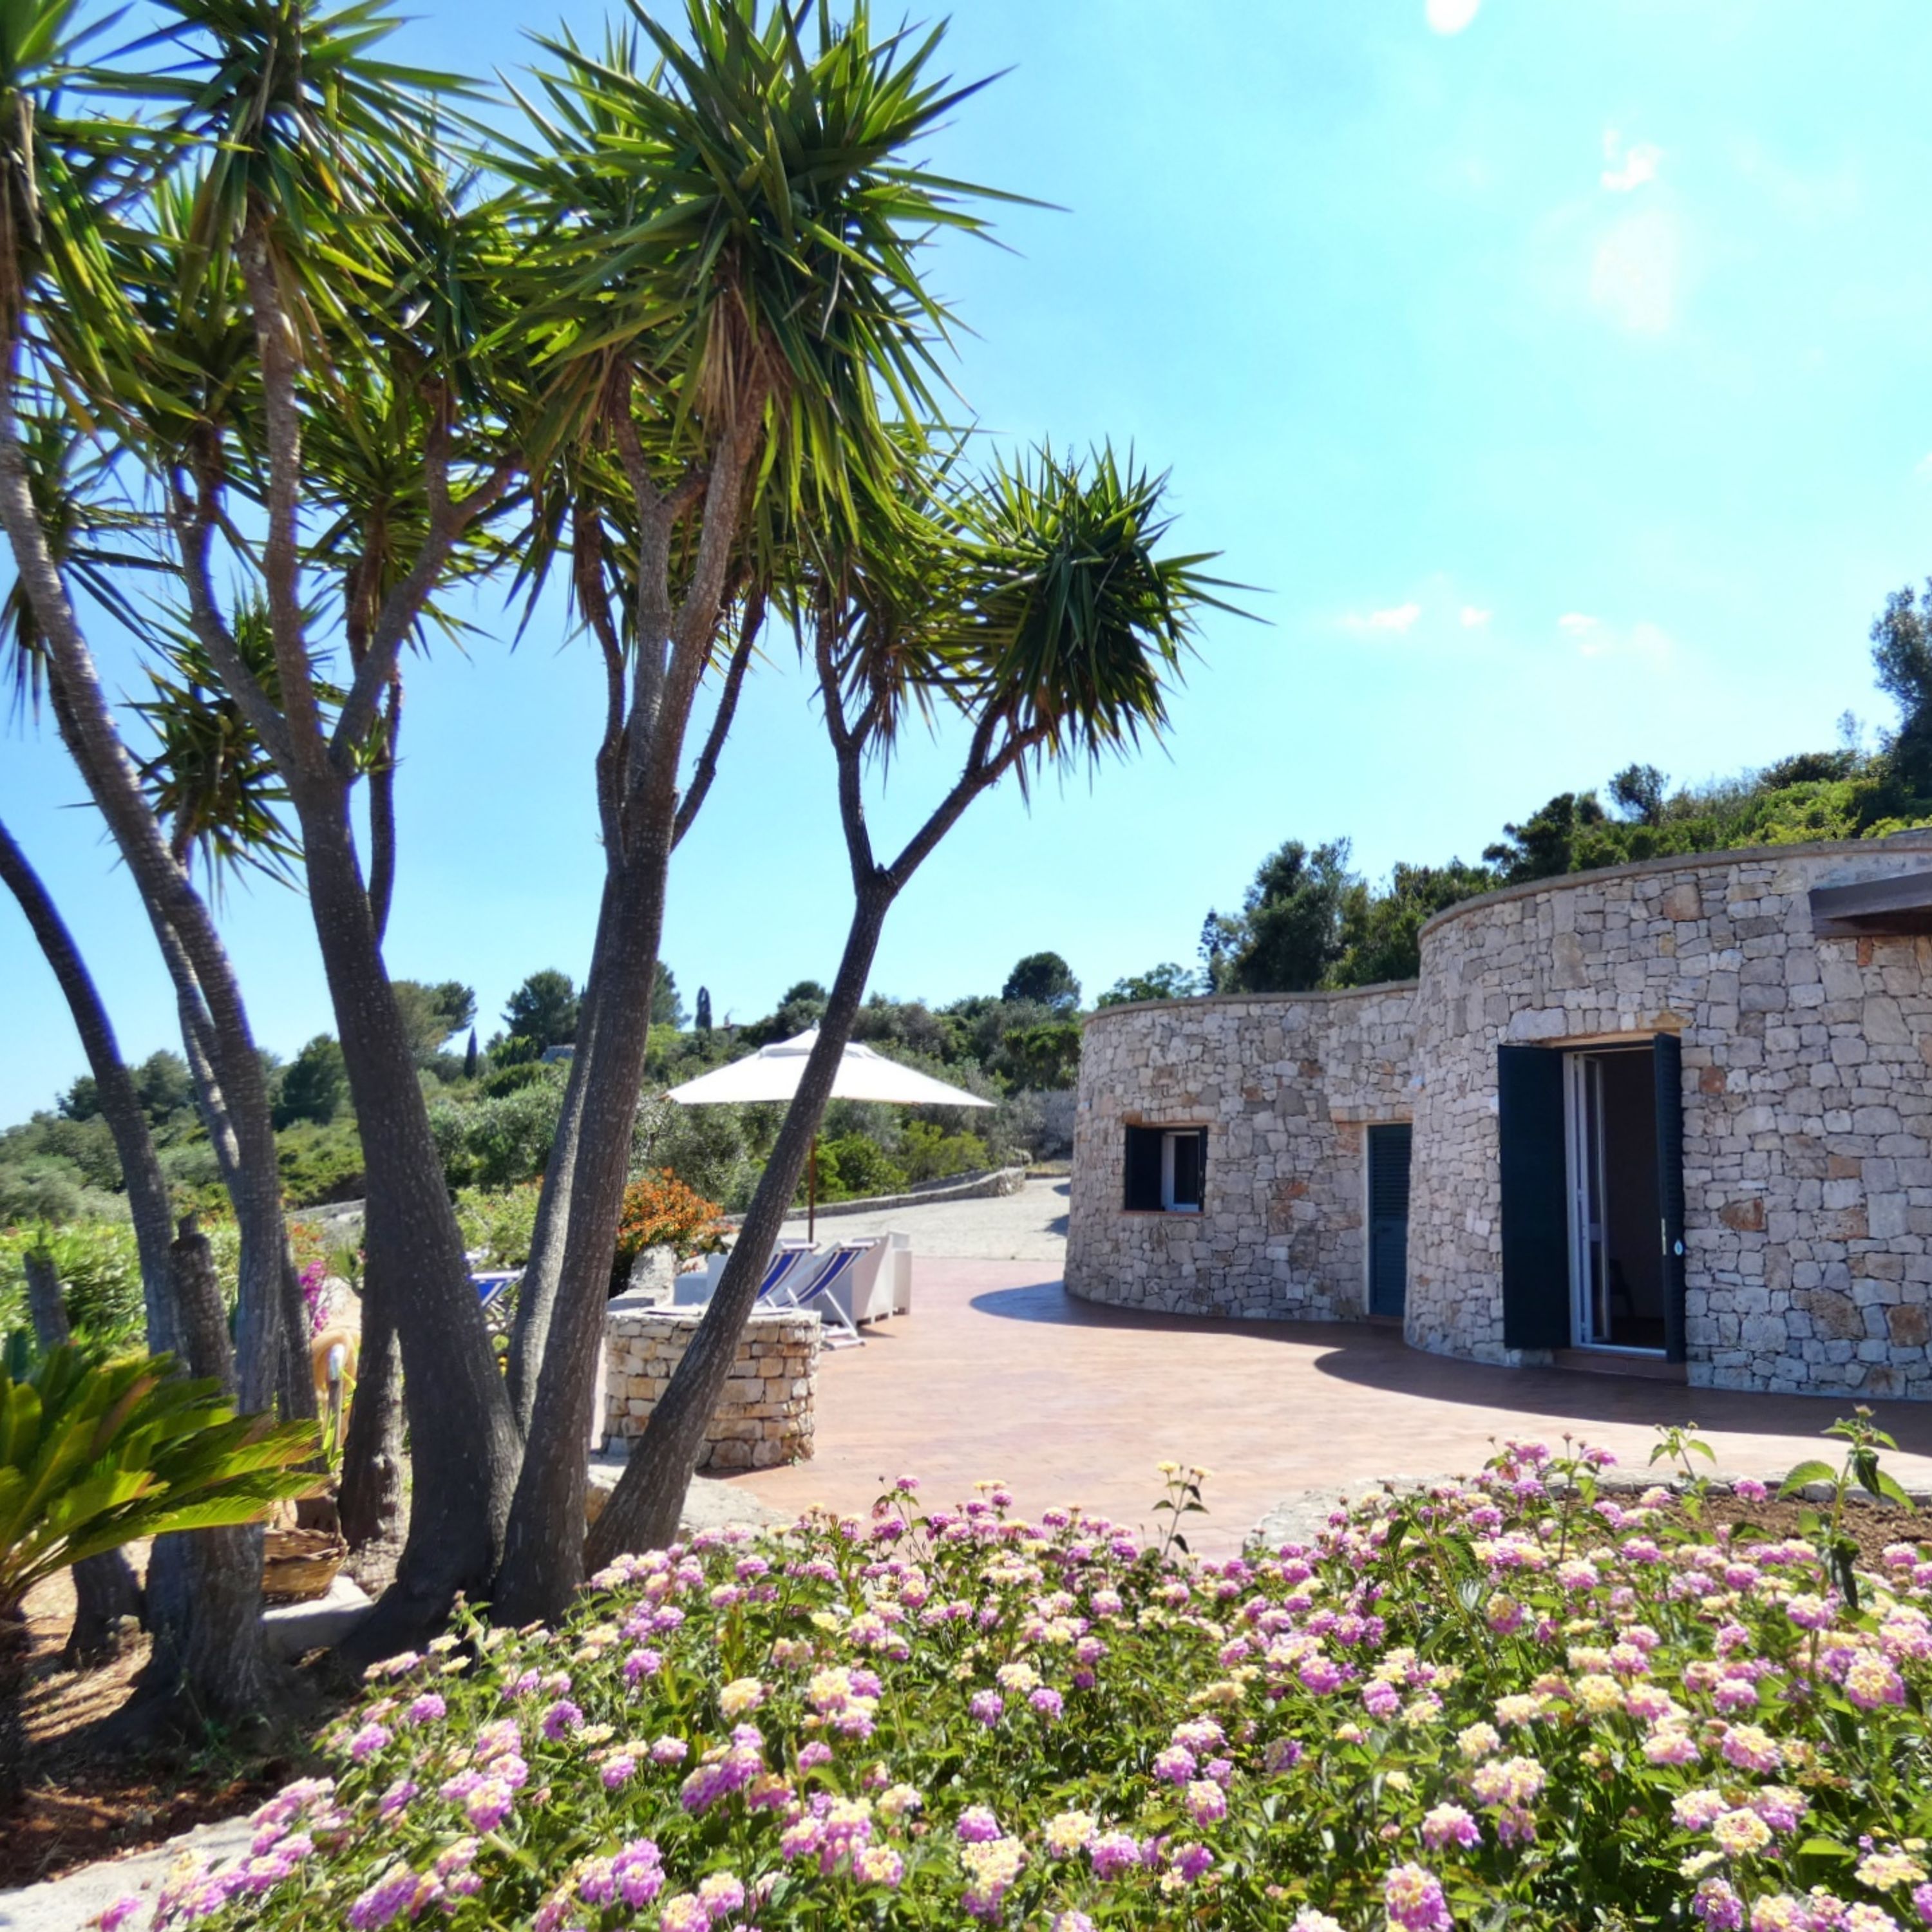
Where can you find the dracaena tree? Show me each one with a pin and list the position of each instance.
(65, 174)
(730, 311)
(305, 289)
(1033, 609)
(64, 308)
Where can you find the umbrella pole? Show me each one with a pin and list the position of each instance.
(811, 1190)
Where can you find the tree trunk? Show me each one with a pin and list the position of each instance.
(15, 1641)
(104, 1586)
(120, 1105)
(371, 1504)
(210, 1663)
(543, 1273)
(644, 1507)
(543, 1557)
(180, 919)
(251, 1173)
(464, 1448)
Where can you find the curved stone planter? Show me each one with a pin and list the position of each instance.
(766, 1416)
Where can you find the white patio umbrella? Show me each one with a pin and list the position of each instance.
(773, 1073)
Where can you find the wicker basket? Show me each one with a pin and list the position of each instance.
(298, 1565)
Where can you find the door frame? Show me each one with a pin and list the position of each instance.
(1579, 1143)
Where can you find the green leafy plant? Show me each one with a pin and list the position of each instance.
(93, 1455)
(1418, 1715)
(499, 1224)
(1836, 1548)
(1180, 1496)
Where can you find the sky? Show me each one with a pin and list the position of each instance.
(1553, 372)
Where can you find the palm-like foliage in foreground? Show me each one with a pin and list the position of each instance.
(93, 1455)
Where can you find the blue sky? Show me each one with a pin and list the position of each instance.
(1555, 369)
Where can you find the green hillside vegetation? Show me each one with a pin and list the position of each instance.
(1308, 921)
(494, 1110)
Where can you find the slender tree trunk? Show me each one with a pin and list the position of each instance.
(371, 1503)
(463, 1443)
(543, 1556)
(210, 1663)
(104, 1586)
(644, 1507)
(16, 1641)
(562, 1301)
(266, 1280)
(175, 910)
(120, 1105)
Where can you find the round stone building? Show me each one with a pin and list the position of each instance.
(1679, 1111)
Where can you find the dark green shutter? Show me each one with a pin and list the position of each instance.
(1535, 1224)
(1669, 1082)
(1389, 1148)
(1143, 1169)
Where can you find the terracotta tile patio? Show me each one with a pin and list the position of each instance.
(998, 1372)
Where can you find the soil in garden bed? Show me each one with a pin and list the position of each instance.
(1874, 1528)
(88, 1797)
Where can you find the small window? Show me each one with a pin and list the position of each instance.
(1166, 1170)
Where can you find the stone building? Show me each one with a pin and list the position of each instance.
(1679, 1111)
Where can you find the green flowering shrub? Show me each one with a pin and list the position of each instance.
(99, 1270)
(498, 1225)
(1516, 1702)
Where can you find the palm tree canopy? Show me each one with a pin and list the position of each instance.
(740, 215)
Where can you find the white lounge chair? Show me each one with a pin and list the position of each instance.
(820, 1296)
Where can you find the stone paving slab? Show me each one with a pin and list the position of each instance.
(998, 1372)
(67, 1903)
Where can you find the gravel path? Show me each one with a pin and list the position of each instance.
(1028, 1226)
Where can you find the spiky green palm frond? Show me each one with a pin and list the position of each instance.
(743, 214)
(93, 1456)
(1079, 627)
(208, 778)
(95, 537)
(293, 118)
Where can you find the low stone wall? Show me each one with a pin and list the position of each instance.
(767, 1414)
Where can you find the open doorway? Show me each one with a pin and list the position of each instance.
(1616, 1261)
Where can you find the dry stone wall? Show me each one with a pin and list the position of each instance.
(1807, 1113)
(767, 1414)
(1807, 1107)
(1284, 1085)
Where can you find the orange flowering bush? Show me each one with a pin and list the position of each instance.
(660, 1211)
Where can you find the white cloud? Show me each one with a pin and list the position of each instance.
(1399, 618)
(1593, 638)
(1474, 618)
(1629, 167)
(1636, 273)
(1449, 17)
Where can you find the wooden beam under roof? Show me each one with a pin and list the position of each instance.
(1901, 905)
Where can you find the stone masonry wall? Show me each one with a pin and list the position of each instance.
(767, 1414)
(1807, 1105)
(1284, 1084)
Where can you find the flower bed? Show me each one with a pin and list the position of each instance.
(1517, 1702)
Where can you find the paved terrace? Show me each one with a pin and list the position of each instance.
(998, 1372)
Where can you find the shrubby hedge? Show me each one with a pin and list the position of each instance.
(1515, 1701)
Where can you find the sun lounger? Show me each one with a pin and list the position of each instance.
(818, 1296)
(788, 1259)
